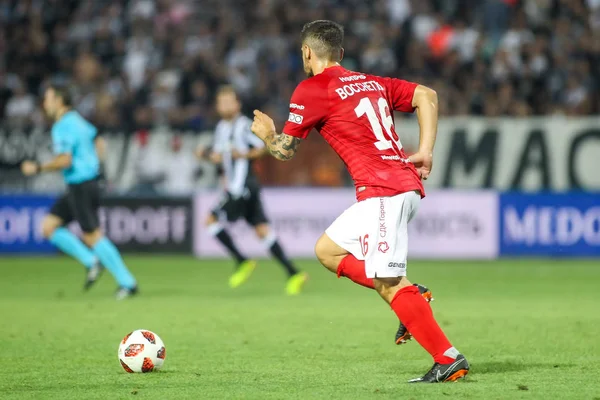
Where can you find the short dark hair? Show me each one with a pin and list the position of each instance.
(64, 93)
(228, 89)
(325, 38)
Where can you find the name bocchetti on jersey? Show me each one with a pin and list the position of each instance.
(351, 89)
(344, 92)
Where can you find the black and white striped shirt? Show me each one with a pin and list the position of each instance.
(230, 135)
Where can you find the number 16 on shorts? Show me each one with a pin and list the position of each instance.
(364, 244)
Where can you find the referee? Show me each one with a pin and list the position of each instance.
(76, 154)
(234, 149)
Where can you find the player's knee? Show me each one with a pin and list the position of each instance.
(49, 224)
(323, 253)
(262, 230)
(91, 238)
(211, 219)
(329, 253)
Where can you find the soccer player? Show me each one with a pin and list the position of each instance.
(368, 242)
(75, 147)
(234, 149)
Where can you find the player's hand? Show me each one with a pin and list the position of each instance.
(237, 155)
(423, 162)
(200, 152)
(29, 168)
(215, 158)
(263, 125)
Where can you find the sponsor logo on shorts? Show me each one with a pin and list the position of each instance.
(295, 118)
(397, 265)
(298, 106)
(382, 227)
(383, 247)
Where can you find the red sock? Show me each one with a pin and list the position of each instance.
(414, 311)
(354, 269)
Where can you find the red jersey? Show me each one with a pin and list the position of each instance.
(352, 111)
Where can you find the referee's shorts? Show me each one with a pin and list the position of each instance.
(80, 203)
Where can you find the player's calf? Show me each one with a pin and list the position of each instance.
(412, 309)
(389, 287)
(402, 334)
(50, 223)
(216, 230)
(67, 242)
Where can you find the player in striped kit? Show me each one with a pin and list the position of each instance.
(234, 149)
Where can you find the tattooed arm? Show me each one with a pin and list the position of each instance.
(281, 146)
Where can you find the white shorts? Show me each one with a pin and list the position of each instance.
(376, 230)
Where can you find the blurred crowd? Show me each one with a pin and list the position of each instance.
(141, 63)
(138, 64)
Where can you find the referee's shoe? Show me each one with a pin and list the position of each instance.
(92, 275)
(123, 292)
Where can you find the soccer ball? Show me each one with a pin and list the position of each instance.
(141, 351)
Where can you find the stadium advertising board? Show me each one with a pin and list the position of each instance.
(20, 221)
(554, 153)
(550, 224)
(448, 224)
(299, 217)
(147, 225)
(455, 225)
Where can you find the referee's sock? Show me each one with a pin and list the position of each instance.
(270, 242)
(71, 245)
(111, 259)
(223, 236)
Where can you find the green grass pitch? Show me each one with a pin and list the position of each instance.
(530, 328)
